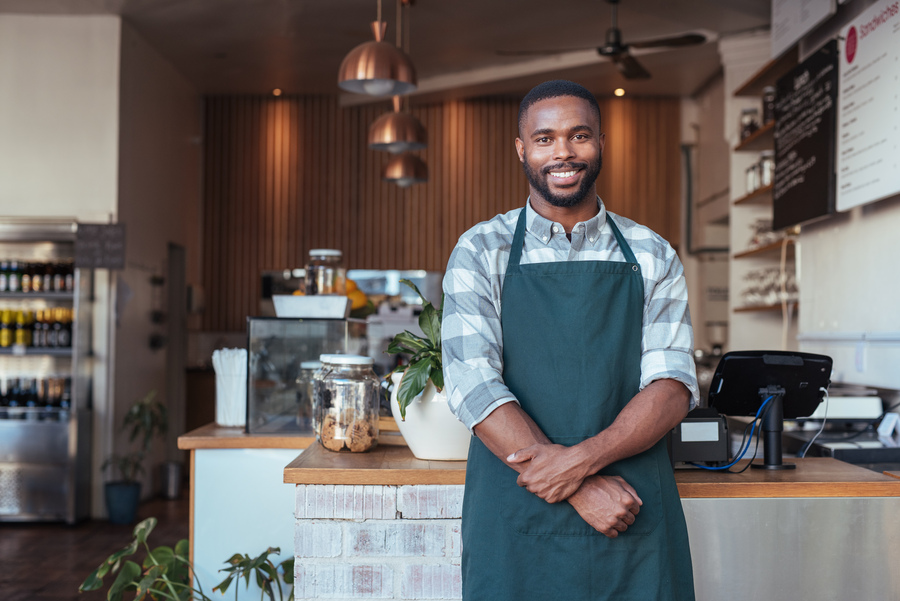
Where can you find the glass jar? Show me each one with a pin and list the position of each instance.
(305, 403)
(749, 122)
(752, 178)
(766, 167)
(346, 398)
(325, 273)
(768, 104)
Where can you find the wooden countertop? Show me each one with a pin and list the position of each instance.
(395, 465)
(384, 465)
(212, 436)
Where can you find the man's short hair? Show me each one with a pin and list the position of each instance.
(553, 89)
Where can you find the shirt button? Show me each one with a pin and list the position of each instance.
(555, 230)
(590, 239)
(544, 238)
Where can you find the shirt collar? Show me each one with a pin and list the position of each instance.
(543, 227)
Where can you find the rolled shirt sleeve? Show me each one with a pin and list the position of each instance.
(471, 336)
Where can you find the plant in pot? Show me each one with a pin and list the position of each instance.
(418, 401)
(145, 420)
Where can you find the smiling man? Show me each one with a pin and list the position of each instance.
(567, 350)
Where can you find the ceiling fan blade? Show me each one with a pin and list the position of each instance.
(688, 39)
(543, 52)
(629, 67)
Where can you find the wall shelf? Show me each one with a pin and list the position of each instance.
(768, 74)
(774, 247)
(30, 351)
(792, 306)
(762, 139)
(759, 196)
(63, 296)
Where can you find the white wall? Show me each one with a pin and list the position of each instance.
(849, 284)
(159, 202)
(59, 96)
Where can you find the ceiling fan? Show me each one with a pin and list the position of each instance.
(618, 52)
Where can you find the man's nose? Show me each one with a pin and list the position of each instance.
(562, 150)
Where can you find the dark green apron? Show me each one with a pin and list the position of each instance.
(572, 357)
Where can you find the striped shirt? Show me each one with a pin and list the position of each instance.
(471, 332)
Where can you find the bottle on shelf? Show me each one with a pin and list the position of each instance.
(4, 276)
(7, 329)
(14, 277)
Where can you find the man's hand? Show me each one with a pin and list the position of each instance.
(607, 503)
(553, 471)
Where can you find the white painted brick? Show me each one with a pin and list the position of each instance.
(396, 538)
(441, 581)
(455, 548)
(317, 538)
(343, 581)
(430, 501)
(319, 501)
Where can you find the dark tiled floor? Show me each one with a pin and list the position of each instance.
(47, 562)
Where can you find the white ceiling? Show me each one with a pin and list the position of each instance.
(253, 46)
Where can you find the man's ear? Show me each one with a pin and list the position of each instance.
(520, 150)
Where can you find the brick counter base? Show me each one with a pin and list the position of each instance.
(377, 542)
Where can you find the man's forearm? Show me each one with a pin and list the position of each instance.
(641, 424)
(506, 430)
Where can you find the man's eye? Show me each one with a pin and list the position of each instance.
(543, 140)
(580, 136)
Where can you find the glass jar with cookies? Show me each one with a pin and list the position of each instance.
(346, 401)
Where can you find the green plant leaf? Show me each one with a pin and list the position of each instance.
(94, 581)
(430, 323)
(182, 549)
(126, 580)
(223, 586)
(437, 373)
(143, 529)
(413, 286)
(146, 583)
(413, 383)
(114, 559)
(406, 342)
(162, 555)
(288, 567)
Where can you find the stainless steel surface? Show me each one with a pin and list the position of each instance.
(814, 549)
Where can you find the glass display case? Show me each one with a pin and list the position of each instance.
(283, 354)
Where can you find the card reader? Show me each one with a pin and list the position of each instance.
(701, 437)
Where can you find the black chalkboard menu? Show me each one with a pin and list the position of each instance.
(100, 246)
(805, 134)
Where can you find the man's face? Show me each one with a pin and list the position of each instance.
(561, 149)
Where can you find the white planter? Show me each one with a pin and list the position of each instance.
(431, 431)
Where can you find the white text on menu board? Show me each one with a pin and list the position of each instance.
(868, 157)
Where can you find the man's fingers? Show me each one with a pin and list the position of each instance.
(522, 455)
(630, 490)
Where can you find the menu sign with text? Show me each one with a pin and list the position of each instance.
(805, 100)
(100, 246)
(868, 163)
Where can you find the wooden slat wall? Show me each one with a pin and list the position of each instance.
(283, 175)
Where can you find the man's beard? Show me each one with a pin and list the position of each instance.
(538, 181)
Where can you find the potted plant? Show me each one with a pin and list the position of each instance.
(418, 401)
(145, 420)
(165, 572)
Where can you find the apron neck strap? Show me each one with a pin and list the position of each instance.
(518, 242)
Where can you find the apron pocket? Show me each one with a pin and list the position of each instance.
(528, 514)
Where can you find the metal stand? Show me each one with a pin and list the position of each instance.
(772, 426)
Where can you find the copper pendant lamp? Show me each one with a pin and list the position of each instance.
(405, 169)
(377, 68)
(397, 132)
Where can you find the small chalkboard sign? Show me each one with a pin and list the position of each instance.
(100, 246)
(805, 112)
